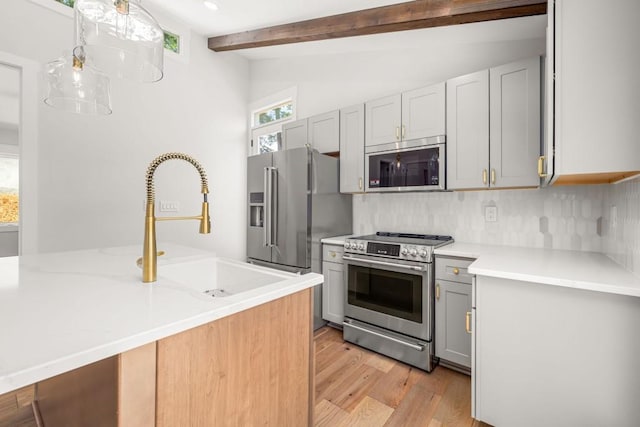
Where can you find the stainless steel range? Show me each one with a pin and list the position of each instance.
(389, 300)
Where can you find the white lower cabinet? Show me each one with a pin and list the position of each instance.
(453, 312)
(333, 288)
(555, 356)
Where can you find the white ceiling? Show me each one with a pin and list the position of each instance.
(234, 16)
(242, 15)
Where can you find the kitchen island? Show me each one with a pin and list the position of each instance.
(65, 312)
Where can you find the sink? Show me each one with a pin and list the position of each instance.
(218, 277)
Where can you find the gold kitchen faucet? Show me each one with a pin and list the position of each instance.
(149, 254)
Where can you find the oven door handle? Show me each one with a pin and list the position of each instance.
(417, 347)
(386, 264)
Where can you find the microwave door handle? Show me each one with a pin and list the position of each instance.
(382, 263)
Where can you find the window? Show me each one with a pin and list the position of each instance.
(274, 114)
(267, 117)
(9, 178)
(172, 42)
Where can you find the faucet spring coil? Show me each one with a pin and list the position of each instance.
(169, 156)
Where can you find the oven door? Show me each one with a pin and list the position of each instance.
(392, 294)
(405, 166)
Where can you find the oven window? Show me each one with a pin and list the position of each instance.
(405, 168)
(388, 292)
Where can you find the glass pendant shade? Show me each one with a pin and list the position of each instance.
(120, 38)
(75, 87)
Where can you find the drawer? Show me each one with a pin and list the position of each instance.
(453, 269)
(332, 253)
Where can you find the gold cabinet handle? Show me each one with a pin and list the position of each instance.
(493, 176)
(468, 322)
(484, 176)
(403, 131)
(456, 271)
(437, 291)
(333, 254)
(360, 183)
(541, 160)
(398, 133)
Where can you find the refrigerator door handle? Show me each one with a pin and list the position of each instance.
(267, 206)
(273, 214)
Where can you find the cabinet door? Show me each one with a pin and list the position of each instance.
(453, 302)
(597, 87)
(468, 131)
(352, 149)
(514, 147)
(324, 132)
(294, 134)
(423, 112)
(333, 292)
(382, 120)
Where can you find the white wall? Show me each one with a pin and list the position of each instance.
(92, 168)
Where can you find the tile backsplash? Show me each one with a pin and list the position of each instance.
(571, 217)
(621, 224)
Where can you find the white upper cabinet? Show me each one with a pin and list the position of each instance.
(324, 132)
(423, 112)
(597, 90)
(514, 124)
(414, 114)
(382, 120)
(468, 131)
(352, 149)
(294, 134)
(493, 127)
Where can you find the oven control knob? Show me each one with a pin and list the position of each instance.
(404, 251)
(346, 245)
(423, 253)
(413, 252)
(361, 246)
(353, 245)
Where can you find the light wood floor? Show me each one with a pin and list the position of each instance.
(357, 387)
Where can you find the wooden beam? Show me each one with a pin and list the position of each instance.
(410, 15)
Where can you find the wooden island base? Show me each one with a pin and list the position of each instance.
(251, 368)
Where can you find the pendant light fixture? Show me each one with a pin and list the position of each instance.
(75, 87)
(113, 37)
(120, 38)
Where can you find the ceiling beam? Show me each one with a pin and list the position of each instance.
(410, 15)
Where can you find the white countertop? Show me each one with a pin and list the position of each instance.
(65, 310)
(573, 269)
(335, 240)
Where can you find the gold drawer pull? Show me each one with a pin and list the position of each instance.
(438, 291)
(468, 322)
(456, 271)
(333, 254)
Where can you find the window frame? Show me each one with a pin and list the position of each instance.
(264, 104)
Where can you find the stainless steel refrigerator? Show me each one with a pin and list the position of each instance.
(294, 201)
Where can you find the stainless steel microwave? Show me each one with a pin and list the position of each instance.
(415, 165)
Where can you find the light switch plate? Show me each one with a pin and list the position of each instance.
(169, 206)
(491, 213)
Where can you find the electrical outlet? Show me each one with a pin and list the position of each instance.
(491, 213)
(169, 206)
